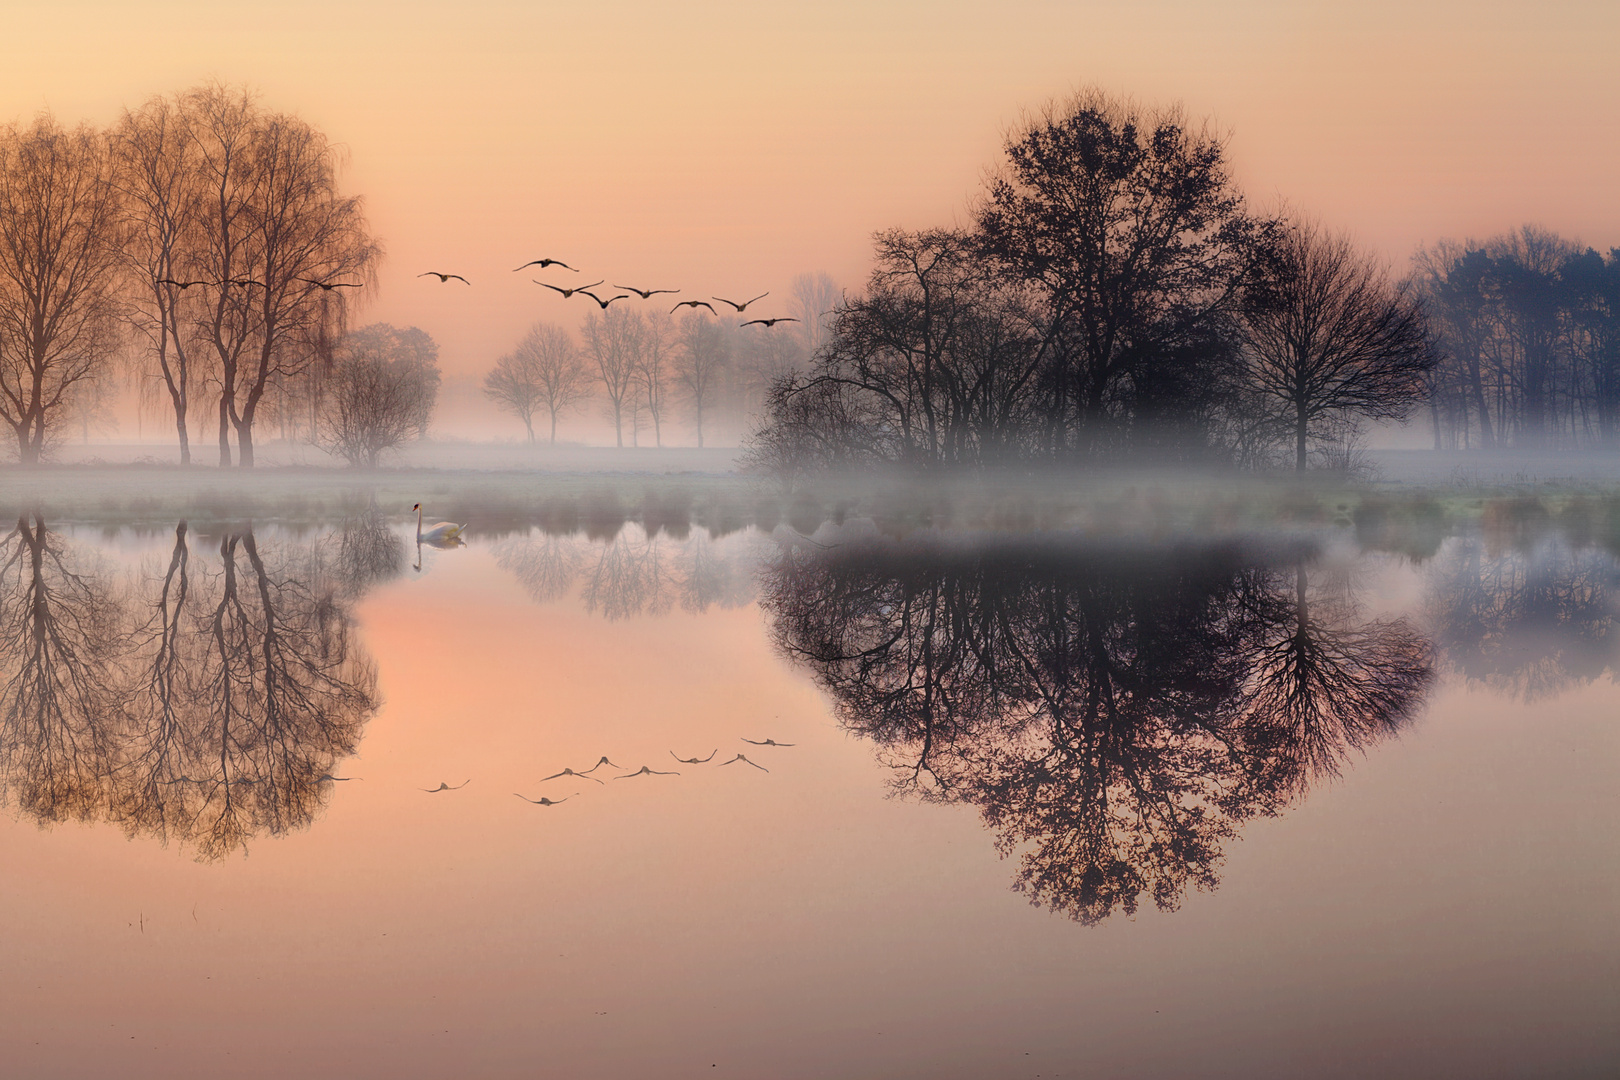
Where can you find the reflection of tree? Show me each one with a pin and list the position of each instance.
(1529, 622)
(368, 550)
(1114, 721)
(59, 666)
(545, 564)
(207, 705)
(631, 576)
(710, 575)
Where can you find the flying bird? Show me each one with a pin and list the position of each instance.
(769, 742)
(604, 303)
(645, 771)
(569, 292)
(693, 760)
(181, 285)
(328, 286)
(569, 772)
(646, 294)
(745, 761)
(543, 263)
(693, 303)
(766, 323)
(541, 801)
(742, 307)
(243, 281)
(445, 787)
(443, 278)
(598, 765)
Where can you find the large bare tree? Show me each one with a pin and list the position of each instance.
(613, 340)
(545, 371)
(652, 370)
(1331, 336)
(59, 252)
(701, 355)
(380, 392)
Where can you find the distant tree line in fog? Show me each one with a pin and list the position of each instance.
(1112, 298)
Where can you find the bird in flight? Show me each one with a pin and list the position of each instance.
(745, 761)
(328, 286)
(604, 303)
(443, 278)
(598, 765)
(645, 771)
(243, 281)
(569, 772)
(693, 760)
(569, 292)
(693, 303)
(541, 801)
(446, 787)
(543, 263)
(769, 742)
(646, 294)
(766, 323)
(742, 307)
(181, 285)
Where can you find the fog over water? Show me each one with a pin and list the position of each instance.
(1277, 783)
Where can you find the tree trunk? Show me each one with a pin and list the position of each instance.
(224, 433)
(1300, 428)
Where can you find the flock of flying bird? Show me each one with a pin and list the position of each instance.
(584, 290)
(585, 774)
(645, 294)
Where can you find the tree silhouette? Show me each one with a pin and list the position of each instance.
(545, 371)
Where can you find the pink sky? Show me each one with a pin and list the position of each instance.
(722, 147)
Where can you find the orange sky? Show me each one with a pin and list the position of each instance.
(720, 147)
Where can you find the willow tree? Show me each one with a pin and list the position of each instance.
(59, 252)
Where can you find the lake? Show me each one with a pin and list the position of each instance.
(1253, 783)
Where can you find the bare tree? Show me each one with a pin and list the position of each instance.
(613, 339)
(59, 252)
(275, 226)
(1330, 335)
(545, 371)
(380, 393)
(157, 175)
(657, 333)
(813, 300)
(701, 355)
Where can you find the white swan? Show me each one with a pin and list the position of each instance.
(444, 530)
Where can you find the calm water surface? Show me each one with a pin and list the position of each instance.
(1038, 805)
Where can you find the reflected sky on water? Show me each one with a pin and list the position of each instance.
(926, 804)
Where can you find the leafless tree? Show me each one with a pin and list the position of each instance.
(545, 371)
(59, 252)
(701, 355)
(1330, 335)
(813, 300)
(613, 339)
(380, 394)
(657, 335)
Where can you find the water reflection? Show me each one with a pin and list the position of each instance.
(206, 702)
(1115, 718)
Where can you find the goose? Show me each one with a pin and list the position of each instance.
(693, 304)
(444, 530)
(766, 323)
(742, 307)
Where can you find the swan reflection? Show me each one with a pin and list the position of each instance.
(1115, 717)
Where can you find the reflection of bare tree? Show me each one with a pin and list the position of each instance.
(1114, 721)
(368, 550)
(1529, 622)
(710, 575)
(546, 564)
(631, 576)
(59, 662)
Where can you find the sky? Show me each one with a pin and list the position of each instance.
(721, 147)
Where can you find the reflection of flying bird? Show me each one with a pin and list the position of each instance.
(769, 742)
(766, 323)
(645, 771)
(745, 761)
(569, 772)
(444, 530)
(445, 787)
(694, 760)
(601, 762)
(604, 303)
(693, 303)
(543, 263)
(445, 277)
(742, 307)
(569, 292)
(541, 801)
(328, 776)
(646, 294)
(328, 286)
